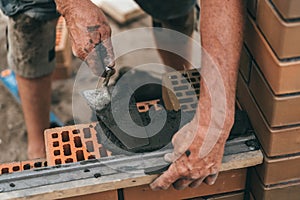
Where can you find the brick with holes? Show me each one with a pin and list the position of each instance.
(72, 144)
(12, 167)
(33, 164)
(6, 168)
(181, 90)
(146, 105)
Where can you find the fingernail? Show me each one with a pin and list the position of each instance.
(211, 182)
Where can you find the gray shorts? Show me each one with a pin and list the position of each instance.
(31, 46)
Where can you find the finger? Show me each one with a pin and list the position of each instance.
(196, 183)
(164, 181)
(169, 157)
(172, 157)
(211, 179)
(182, 183)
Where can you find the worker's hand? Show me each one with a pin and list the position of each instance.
(188, 168)
(88, 28)
(198, 151)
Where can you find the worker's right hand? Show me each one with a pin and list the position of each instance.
(88, 28)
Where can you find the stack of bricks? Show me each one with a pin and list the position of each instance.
(268, 89)
(63, 51)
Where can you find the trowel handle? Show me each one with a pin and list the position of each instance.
(109, 71)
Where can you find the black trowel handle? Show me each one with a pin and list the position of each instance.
(109, 71)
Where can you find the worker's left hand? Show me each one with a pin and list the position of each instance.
(90, 33)
(188, 168)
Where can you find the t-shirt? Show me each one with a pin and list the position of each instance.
(39, 9)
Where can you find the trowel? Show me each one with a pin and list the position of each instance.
(100, 97)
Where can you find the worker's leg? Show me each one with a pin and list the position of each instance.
(35, 96)
(31, 55)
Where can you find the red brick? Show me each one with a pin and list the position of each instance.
(268, 171)
(289, 9)
(21, 166)
(282, 36)
(6, 168)
(289, 191)
(72, 144)
(275, 141)
(278, 110)
(33, 164)
(229, 181)
(283, 77)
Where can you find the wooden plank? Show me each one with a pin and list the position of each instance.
(111, 173)
(228, 181)
(108, 195)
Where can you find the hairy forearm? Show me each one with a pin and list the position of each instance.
(221, 36)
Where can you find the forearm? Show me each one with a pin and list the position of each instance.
(221, 28)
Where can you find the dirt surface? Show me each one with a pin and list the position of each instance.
(13, 138)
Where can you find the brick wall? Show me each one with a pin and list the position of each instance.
(268, 89)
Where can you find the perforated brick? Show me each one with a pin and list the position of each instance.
(72, 144)
(33, 164)
(6, 168)
(182, 90)
(146, 105)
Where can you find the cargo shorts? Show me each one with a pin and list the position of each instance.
(31, 45)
